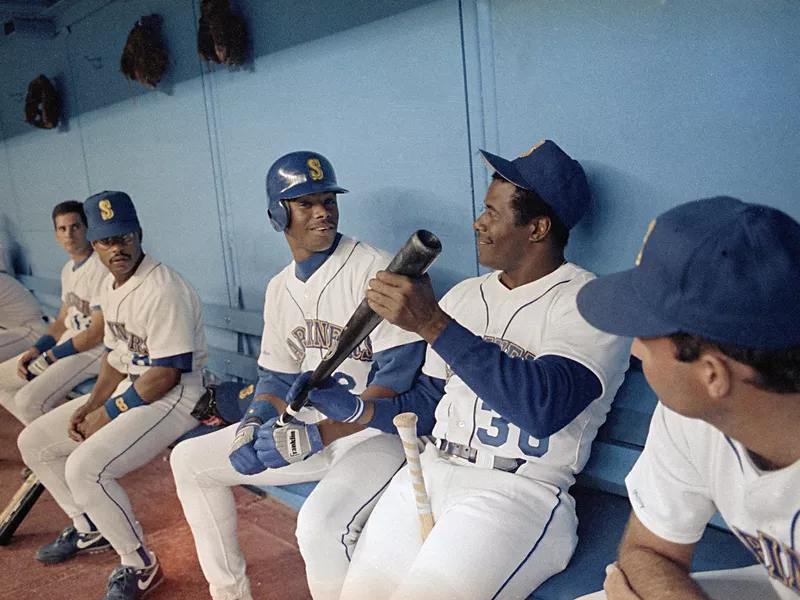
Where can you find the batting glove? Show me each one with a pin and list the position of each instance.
(337, 402)
(242, 454)
(39, 365)
(280, 446)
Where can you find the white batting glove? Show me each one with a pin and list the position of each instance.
(39, 365)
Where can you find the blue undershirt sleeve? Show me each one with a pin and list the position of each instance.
(540, 396)
(183, 362)
(274, 382)
(396, 368)
(420, 399)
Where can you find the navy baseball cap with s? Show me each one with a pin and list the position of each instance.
(109, 214)
(719, 268)
(550, 172)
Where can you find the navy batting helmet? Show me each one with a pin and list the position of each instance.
(293, 175)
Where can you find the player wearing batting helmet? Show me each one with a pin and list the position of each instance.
(712, 304)
(70, 350)
(150, 380)
(306, 306)
(521, 383)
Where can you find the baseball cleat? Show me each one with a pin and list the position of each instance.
(130, 583)
(71, 543)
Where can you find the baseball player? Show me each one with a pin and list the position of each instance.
(21, 319)
(522, 384)
(70, 351)
(150, 380)
(712, 303)
(305, 308)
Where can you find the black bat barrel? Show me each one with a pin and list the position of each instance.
(412, 260)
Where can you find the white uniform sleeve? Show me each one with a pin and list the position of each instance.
(274, 354)
(172, 321)
(668, 492)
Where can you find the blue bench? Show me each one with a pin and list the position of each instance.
(601, 497)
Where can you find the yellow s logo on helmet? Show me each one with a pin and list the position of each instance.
(105, 210)
(315, 169)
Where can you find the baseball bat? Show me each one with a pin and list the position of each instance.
(17, 509)
(406, 424)
(412, 260)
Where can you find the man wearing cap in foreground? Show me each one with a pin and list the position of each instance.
(712, 304)
(150, 380)
(521, 384)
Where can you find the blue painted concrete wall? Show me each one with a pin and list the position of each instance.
(661, 100)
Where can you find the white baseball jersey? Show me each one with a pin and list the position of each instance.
(18, 307)
(533, 320)
(155, 314)
(303, 320)
(81, 286)
(689, 469)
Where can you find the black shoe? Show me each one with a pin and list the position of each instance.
(130, 583)
(71, 543)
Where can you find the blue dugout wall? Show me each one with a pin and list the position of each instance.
(661, 100)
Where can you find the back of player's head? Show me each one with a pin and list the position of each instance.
(110, 214)
(293, 175)
(552, 175)
(719, 269)
(67, 208)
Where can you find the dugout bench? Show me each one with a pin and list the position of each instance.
(600, 494)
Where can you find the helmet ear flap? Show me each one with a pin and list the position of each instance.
(279, 217)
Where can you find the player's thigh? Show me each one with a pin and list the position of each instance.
(131, 440)
(47, 437)
(498, 535)
(349, 491)
(10, 382)
(204, 460)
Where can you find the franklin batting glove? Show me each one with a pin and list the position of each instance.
(39, 365)
(280, 446)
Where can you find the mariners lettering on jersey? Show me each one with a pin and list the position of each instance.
(135, 344)
(782, 561)
(324, 335)
(82, 305)
(508, 347)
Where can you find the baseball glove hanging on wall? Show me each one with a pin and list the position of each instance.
(221, 35)
(41, 104)
(144, 58)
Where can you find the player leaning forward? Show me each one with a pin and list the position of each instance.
(306, 306)
(522, 384)
(712, 304)
(70, 350)
(150, 380)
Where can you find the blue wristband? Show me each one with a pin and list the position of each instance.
(64, 350)
(44, 343)
(123, 402)
(261, 410)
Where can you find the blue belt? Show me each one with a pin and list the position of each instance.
(510, 465)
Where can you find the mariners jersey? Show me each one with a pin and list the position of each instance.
(303, 320)
(688, 470)
(154, 315)
(81, 285)
(533, 320)
(18, 307)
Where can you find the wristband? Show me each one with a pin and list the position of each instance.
(44, 343)
(123, 402)
(64, 350)
(261, 410)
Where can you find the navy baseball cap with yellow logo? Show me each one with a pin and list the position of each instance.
(719, 268)
(109, 214)
(550, 172)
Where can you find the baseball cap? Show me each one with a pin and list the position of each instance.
(109, 214)
(549, 171)
(718, 268)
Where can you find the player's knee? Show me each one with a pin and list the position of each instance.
(321, 525)
(29, 443)
(183, 459)
(80, 472)
(28, 408)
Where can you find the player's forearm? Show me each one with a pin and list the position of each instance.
(330, 431)
(57, 327)
(655, 577)
(107, 381)
(156, 382)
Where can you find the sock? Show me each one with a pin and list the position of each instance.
(83, 524)
(139, 558)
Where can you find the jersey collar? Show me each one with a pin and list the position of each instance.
(304, 269)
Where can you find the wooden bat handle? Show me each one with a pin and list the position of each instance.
(406, 424)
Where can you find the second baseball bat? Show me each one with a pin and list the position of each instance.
(16, 510)
(412, 260)
(406, 424)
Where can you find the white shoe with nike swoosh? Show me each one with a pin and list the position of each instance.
(130, 583)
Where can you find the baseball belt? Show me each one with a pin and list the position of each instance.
(479, 457)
